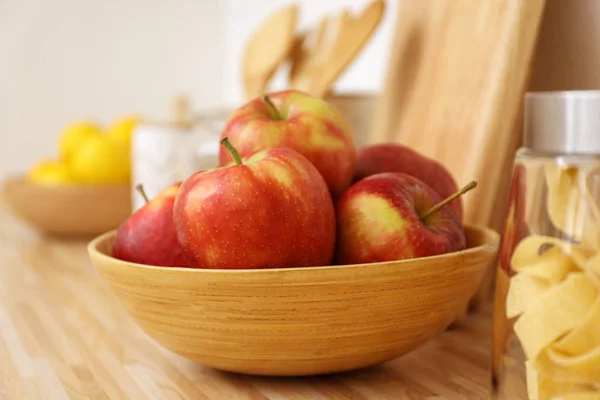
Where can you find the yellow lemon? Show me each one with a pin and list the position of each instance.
(120, 132)
(74, 135)
(100, 160)
(50, 172)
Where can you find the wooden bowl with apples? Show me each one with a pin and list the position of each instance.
(298, 321)
(296, 256)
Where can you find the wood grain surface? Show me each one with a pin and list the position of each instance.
(63, 336)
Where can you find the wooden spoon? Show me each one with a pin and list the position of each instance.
(181, 110)
(269, 45)
(332, 54)
(306, 45)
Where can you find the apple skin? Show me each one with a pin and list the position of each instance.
(313, 127)
(390, 157)
(148, 236)
(272, 211)
(378, 220)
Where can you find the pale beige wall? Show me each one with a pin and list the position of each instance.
(67, 59)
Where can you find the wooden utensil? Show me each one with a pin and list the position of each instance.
(319, 66)
(68, 210)
(181, 110)
(269, 45)
(298, 321)
(305, 46)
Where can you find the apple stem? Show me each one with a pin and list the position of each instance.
(448, 199)
(272, 106)
(140, 189)
(232, 150)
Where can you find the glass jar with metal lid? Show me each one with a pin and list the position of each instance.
(546, 336)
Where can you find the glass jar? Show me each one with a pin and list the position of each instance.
(165, 153)
(546, 328)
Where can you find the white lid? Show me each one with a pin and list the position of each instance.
(563, 121)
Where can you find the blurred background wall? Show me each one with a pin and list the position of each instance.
(64, 60)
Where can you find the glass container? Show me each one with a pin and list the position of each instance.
(165, 153)
(546, 328)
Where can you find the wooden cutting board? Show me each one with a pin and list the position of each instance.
(456, 78)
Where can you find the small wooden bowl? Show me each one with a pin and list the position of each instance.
(298, 321)
(68, 210)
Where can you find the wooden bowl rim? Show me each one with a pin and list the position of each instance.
(21, 180)
(491, 244)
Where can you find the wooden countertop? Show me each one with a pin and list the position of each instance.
(63, 336)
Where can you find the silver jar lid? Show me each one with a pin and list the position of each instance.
(563, 121)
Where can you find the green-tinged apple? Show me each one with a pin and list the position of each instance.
(269, 210)
(394, 216)
(310, 125)
(148, 236)
(390, 157)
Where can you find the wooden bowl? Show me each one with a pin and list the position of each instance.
(298, 321)
(68, 210)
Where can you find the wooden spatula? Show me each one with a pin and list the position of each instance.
(269, 45)
(320, 65)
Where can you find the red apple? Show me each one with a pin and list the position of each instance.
(391, 157)
(148, 236)
(394, 216)
(312, 126)
(270, 210)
